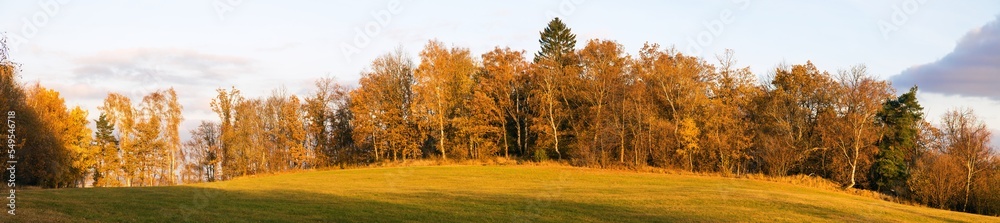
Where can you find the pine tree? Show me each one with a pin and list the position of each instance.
(897, 147)
(557, 40)
(556, 69)
(106, 159)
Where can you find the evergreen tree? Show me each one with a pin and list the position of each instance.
(897, 148)
(557, 42)
(107, 154)
(557, 71)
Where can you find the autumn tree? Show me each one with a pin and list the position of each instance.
(172, 136)
(250, 152)
(503, 72)
(478, 126)
(328, 123)
(857, 107)
(985, 193)
(285, 133)
(224, 105)
(78, 142)
(555, 68)
(936, 180)
(149, 150)
(634, 115)
(676, 87)
(728, 128)
(13, 98)
(121, 115)
(382, 107)
(66, 158)
(968, 143)
(786, 116)
(604, 65)
(153, 134)
(443, 83)
(203, 150)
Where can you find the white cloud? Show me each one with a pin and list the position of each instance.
(971, 69)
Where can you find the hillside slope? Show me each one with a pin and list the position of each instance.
(470, 194)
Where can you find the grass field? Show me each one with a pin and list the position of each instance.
(471, 194)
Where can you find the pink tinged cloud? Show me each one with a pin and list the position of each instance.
(971, 69)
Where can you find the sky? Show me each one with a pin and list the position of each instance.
(86, 49)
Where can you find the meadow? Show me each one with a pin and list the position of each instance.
(472, 194)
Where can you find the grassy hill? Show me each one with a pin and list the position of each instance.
(471, 194)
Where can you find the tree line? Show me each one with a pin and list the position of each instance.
(594, 106)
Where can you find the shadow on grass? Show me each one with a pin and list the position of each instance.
(194, 204)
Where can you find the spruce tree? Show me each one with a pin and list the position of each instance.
(897, 148)
(557, 41)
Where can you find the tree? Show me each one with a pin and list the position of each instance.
(786, 116)
(157, 143)
(936, 180)
(443, 83)
(853, 131)
(107, 160)
(289, 133)
(122, 116)
(63, 159)
(224, 104)
(383, 107)
(328, 122)
(478, 125)
(78, 142)
(173, 122)
(203, 150)
(897, 147)
(555, 66)
(557, 42)
(676, 87)
(500, 79)
(148, 150)
(250, 153)
(728, 125)
(604, 73)
(968, 141)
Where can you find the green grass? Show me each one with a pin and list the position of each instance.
(471, 194)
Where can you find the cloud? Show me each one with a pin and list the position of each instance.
(137, 72)
(168, 67)
(971, 69)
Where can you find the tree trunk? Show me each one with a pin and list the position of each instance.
(854, 167)
(519, 140)
(441, 140)
(375, 145)
(968, 184)
(503, 131)
(552, 121)
(172, 179)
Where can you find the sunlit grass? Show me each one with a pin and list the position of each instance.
(472, 194)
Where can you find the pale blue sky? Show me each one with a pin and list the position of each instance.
(85, 49)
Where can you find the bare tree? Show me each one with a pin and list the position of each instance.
(968, 141)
